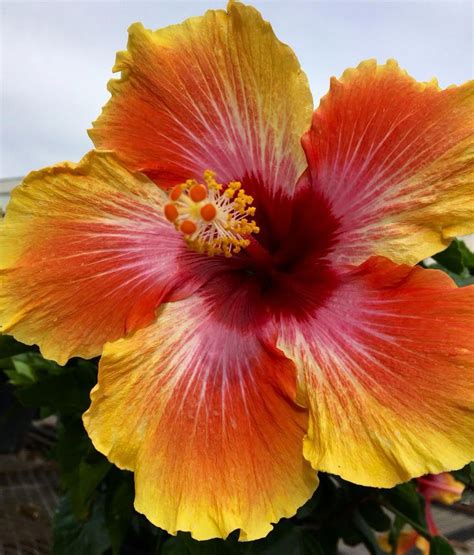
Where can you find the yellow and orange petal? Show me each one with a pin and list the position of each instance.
(204, 414)
(86, 256)
(395, 159)
(218, 91)
(387, 368)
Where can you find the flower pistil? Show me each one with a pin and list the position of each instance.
(213, 218)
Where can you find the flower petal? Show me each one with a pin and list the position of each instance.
(205, 415)
(395, 158)
(387, 365)
(86, 256)
(216, 92)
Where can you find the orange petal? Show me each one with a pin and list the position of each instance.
(395, 159)
(205, 416)
(86, 256)
(218, 91)
(387, 367)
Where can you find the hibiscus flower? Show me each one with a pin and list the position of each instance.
(442, 488)
(246, 269)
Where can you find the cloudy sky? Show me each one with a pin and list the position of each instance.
(56, 57)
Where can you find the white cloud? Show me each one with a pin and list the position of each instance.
(57, 56)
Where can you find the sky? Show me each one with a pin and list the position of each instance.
(56, 57)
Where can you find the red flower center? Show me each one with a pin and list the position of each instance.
(277, 263)
(285, 270)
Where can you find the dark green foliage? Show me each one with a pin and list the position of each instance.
(457, 258)
(405, 500)
(457, 261)
(96, 513)
(466, 476)
(118, 507)
(78, 537)
(440, 546)
(10, 347)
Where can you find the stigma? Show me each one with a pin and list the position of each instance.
(213, 218)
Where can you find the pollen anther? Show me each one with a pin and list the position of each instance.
(208, 212)
(171, 212)
(175, 193)
(188, 227)
(198, 193)
(213, 218)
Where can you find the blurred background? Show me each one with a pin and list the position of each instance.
(56, 57)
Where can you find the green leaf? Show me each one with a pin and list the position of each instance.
(10, 347)
(407, 502)
(395, 530)
(38, 364)
(82, 468)
(328, 498)
(465, 474)
(349, 531)
(467, 255)
(452, 258)
(26, 369)
(119, 509)
(18, 379)
(440, 546)
(89, 476)
(375, 516)
(183, 544)
(72, 445)
(287, 538)
(369, 538)
(15, 419)
(74, 537)
(68, 391)
(23, 370)
(458, 261)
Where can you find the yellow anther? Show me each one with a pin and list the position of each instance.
(211, 216)
(209, 178)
